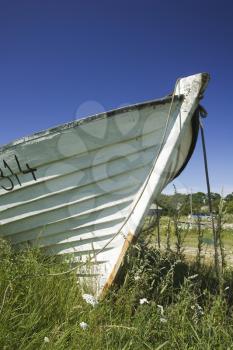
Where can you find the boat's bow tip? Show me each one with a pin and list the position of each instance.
(205, 77)
(196, 83)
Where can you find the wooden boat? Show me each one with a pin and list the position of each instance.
(83, 188)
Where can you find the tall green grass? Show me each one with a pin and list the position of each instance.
(38, 311)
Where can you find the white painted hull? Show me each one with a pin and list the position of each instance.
(94, 179)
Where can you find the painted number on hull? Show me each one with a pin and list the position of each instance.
(8, 182)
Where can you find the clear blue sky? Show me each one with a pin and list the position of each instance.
(56, 55)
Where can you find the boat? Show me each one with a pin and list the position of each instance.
(82, 189)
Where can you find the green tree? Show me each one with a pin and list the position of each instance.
(229, 206)
(229, 197)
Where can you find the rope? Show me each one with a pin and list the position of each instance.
(216, 260)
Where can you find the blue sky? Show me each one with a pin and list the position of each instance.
(56, 55)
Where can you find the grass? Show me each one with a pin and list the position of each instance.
(38, 311)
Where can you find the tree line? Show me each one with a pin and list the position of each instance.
(195, 203)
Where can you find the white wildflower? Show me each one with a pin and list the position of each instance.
(83, 325)
(46, 340)
(163, 320)
(161, 309)
(90, 299)
(143, 301)
(198, 312)
(136, 277)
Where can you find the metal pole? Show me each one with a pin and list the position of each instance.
(191, 204)
(158, 226)
(191, 209)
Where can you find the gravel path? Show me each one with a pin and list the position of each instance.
(208, 254)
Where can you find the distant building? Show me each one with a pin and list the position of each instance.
(155, 210)
(199, 216)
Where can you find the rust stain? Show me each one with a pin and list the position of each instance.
(130, 239)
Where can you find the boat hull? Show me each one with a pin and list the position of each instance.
(83, 189)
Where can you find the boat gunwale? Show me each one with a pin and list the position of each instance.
(88, 119)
